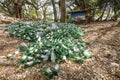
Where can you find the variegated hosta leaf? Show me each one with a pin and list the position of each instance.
(30, 63)
(56, 67)
(44, 57)
(24, 57)
(87, 53)
(10, 56)
(53, 57)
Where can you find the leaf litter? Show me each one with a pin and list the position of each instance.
(104, 43)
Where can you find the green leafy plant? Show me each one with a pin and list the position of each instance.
(50, 42)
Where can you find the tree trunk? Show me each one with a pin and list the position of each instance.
(115, 13)
(18, 10)
(83, 5)
(62, 11)
(104, 8)
(26, 12)
(44, 13)
(54, 10)
(36, 11)
(108, 14)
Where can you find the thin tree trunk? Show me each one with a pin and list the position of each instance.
(54, 10)
(115, 13)
(63, 11)
(84, 5)
(94, 15)
(108, 14)
(26, 12)
(18, 10)
(100, 18)
(104, 8)
(44, 13)
(36, 11)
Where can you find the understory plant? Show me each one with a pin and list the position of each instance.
(49, 42)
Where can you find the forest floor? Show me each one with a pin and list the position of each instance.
(104, 41)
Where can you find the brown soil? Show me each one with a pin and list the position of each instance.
(104, 41)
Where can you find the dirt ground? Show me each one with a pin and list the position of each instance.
(104, 41)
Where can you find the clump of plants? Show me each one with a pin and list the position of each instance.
(50, 42)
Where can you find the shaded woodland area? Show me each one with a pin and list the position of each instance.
(102, 10)
(38, 41)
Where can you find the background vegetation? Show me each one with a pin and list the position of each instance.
(56, 10)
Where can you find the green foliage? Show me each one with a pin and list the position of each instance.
(23, 31)
(50, 42)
